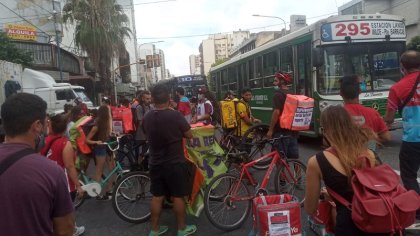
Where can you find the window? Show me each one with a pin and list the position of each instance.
(232, 78)
(303, 69)
(224, 81)
(270, 63)
(65, 94)
(251, 69)
(258, 66)
(286, 59)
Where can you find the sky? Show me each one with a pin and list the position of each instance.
(183, 24)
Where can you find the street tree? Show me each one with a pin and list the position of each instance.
(101, 27)
(414, 44)
(9, 52)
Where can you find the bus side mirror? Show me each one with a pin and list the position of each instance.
(317, 57)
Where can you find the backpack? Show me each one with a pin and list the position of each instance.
(229, 116)
(297, 112)
(380, 203)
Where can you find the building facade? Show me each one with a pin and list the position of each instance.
(195, 65)
(409, 9)
(218, 47)
(154, 68)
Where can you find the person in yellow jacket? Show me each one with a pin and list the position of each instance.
(243, 110)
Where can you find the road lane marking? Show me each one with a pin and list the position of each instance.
(398, 172)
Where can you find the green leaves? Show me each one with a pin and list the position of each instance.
(9, 52)
(414, 44)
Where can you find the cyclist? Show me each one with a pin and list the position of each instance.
(165, 129)
(100, 133)
(243, 110)
(288, 145)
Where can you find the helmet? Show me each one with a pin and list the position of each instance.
(284, 76)
(202, 90)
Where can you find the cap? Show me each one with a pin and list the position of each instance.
(106, 99)
(284, 76)
(202, 90)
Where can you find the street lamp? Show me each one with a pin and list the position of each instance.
(154, 73)
(285, 28)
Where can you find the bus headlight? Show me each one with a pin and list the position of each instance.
(326, 103)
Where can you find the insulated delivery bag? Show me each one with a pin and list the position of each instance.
(229, 116)
(297, 112)
(276, 215)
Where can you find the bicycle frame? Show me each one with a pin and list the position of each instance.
(245, 172)
(117, 168)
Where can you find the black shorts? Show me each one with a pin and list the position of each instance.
(170, 180)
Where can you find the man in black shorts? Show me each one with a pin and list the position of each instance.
(165, 128)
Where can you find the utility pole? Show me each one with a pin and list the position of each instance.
(57, 38)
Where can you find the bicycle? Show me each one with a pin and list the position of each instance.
(227, 194)
(93, 188)
(131, 197)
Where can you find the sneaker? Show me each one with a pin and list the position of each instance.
(189, 229)
(78, 230)
(162, 229)
(415, 226)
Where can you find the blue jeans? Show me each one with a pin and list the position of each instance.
(289, 146)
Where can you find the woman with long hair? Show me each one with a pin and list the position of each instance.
(98, 135)
(334, 165)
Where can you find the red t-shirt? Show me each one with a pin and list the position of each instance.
(366, 117)
(55, 153)
(401, 90)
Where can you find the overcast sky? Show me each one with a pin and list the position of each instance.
(178, 23)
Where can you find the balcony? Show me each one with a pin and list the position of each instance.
(45, 57)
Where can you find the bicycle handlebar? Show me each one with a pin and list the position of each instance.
(112, 143)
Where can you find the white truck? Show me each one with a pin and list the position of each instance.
(13, 79)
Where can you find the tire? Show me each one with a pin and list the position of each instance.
(216, 197)
(79, 201)
(284, 183)
(250, 140)
(131, 197)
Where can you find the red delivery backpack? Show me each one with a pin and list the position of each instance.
(297, 112)
(380, 203)
(322, 222)
(276, 215)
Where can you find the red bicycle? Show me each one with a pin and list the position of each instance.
(227, 199)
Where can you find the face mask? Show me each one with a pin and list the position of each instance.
(200, 96)
(402, 72)
(276, 88)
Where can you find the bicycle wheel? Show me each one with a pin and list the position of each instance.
(251, 141)
(293, 182)
(131, 197)
(79, 201)
(222, 212)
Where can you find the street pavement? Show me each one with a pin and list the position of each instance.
(100, 220)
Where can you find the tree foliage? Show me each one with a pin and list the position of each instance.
(414, 44)
(101, 27)
(9, 52)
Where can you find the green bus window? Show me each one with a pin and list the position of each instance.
(270, 63)
(251, 70)
(258, 67)
(286, 59)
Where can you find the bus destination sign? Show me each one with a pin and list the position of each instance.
(362, 30)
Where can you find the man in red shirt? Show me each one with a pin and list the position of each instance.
(363, 116)
(183, 105)
(410, 111)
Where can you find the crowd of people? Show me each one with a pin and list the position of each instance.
(38, 201)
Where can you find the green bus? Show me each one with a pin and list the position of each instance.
(317, 56)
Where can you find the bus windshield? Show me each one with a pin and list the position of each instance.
(377, 64)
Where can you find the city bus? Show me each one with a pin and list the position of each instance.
(317, 57)
(190, 83)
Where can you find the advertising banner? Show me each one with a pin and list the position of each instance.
(21, 32)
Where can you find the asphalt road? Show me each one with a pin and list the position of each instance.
(100, 220)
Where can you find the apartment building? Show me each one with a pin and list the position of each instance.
(218, 47)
